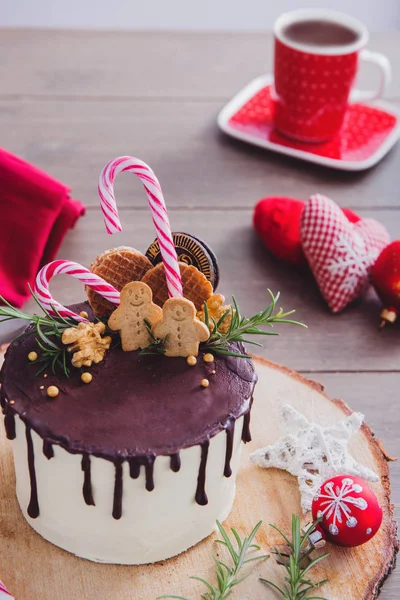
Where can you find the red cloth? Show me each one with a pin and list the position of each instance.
(36, 212)
(277, 222)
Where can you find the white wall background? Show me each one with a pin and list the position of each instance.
(182, 14)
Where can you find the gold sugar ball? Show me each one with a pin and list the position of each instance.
(86, 377)
(191, 360)
(53, 391)
(205, 383)
(45, 375)
(83, 314)
(208, 358)
(213, 371)
(32, 356)
(12, 402)
(42, 387)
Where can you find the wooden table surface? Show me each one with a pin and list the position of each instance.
(70, 101)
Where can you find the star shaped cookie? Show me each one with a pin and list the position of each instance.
(313, 453)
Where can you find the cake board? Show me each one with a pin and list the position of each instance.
(32, 568)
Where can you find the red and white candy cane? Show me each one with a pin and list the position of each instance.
(4, 593)
(66, 267)
(158, 210)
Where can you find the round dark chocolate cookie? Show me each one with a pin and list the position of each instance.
(191, 251)
(213, 257)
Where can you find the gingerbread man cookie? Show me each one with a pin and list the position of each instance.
(181, 328)
(136, 305)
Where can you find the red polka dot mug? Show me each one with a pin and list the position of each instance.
(317, 53)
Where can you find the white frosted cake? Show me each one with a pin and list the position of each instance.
(135, 467)
(127, 435)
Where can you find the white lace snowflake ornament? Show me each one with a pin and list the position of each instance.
(313, 453)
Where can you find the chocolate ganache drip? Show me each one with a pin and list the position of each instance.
(230, 430)
(184, 415)
(135, 462)
(118, 487)
(48, 449)
(9, 424)
(9, 417)
(87, 480)
(175, 462)
(246, 434)
(201, 496)
(33, 508)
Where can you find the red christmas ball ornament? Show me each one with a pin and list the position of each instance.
(277, 222)
(350, 511)
(385, 277)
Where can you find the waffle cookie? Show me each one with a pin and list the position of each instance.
(195, 285)
(117, 266)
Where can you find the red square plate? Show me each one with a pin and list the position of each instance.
(367, 134)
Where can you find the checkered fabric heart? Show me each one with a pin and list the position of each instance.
(339, 253)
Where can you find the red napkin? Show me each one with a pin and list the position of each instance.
(36, 212)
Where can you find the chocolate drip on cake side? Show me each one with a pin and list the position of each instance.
(229, 430)
(48, 449)
(33, 508)
(134, 467)
(135, 462)
(9, 424)
(175, 462)
(118, 487)
(201, 496)
(9, 417)
(246, 434)
(149, 467)
(87, 480)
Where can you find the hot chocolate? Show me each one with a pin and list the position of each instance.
(319, 32)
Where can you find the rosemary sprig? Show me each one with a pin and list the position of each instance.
(298, 585)
(241, 327)
(228, 576)
(48, 329)
(51, 358)
(157, 345)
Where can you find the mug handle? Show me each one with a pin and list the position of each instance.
(386, 76)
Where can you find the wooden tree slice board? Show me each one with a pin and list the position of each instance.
(35, 569)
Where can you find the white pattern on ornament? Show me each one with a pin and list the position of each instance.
(353, 263)
(313, 453)
(339, 503)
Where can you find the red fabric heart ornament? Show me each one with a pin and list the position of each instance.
(339, 253)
